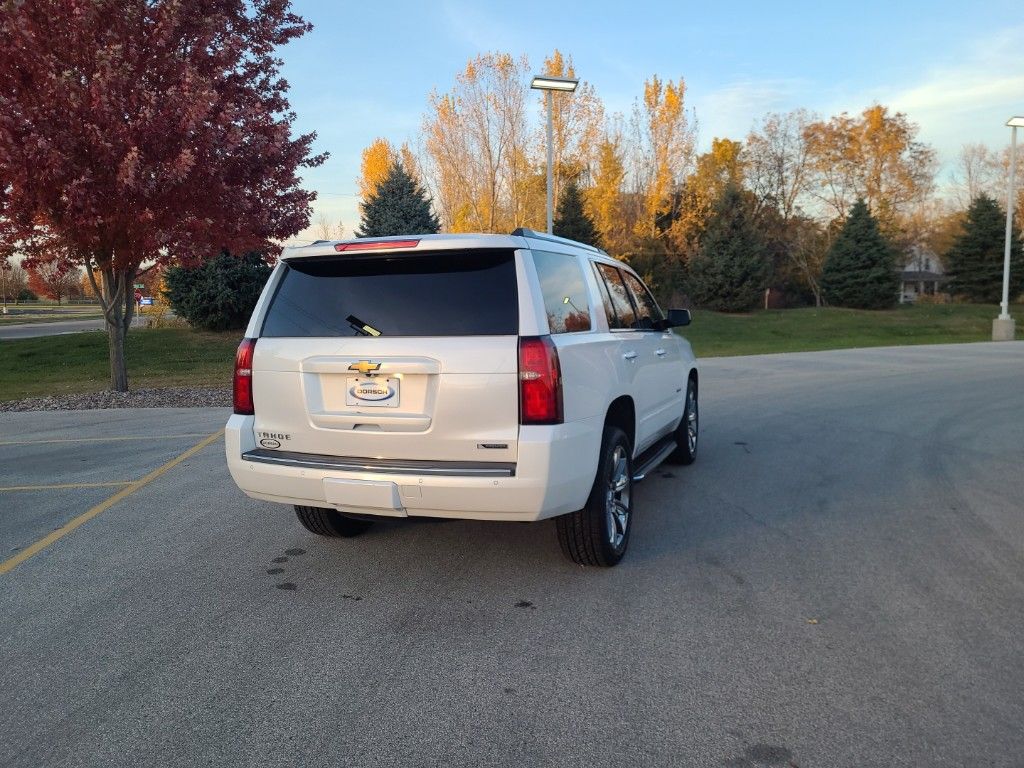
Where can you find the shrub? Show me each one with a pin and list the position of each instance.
(933, 298)
(220, 294)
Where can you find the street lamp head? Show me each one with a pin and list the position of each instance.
(549, 83)
(1016, 122)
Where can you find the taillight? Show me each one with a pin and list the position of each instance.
(540, 381)
(243, 377)
(376, 245)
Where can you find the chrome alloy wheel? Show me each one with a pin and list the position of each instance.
(691, 421)
(620, 485)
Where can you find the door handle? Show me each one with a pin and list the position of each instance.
(659, 352)
(629, 356)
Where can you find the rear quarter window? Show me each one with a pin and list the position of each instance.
(440, 293)
(564, 290)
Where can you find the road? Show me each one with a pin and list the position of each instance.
(837, 581)
(56, 328)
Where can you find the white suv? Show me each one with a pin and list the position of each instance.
(484, 377)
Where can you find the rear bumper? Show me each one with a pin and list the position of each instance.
(553, 474)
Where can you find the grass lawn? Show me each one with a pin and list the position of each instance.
(714, 334)
(164, 357)
(172, 356)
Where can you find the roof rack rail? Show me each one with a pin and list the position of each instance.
(525, 232)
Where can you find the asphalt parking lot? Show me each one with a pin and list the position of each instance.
(838, 581)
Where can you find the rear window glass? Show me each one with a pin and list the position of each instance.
(564, 291)
(444, 293)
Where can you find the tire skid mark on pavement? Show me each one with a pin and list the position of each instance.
(10, 564)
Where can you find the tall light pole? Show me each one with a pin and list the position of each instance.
(1003, 326)
(549, 85)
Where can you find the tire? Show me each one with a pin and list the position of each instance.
(686, 442)
(330, 522)
(598, 534)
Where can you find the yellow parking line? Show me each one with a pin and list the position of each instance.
(99, 439)
(58, 486)
(64, 530)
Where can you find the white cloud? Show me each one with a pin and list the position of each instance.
(968, 101)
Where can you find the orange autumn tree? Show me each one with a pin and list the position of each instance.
(605, 201)
(377, 160)
(874, 156)
(663, 134)
(476, 140)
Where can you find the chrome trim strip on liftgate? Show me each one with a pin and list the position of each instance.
(383, 466)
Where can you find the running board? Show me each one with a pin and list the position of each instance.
(653, 456)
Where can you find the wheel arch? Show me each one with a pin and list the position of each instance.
(622, 414)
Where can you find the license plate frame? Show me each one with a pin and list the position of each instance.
(387, 391)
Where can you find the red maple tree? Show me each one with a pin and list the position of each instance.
(139, 131)
(57, 278)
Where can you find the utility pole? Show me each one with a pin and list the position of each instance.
(1003, 327)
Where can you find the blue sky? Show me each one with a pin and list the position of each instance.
(956, 68)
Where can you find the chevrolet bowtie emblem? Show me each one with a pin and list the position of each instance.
(364, 367)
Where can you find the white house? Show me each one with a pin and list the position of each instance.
(922, 275)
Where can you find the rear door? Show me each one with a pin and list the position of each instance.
(671, 373)
(639, 359)
(392, 356)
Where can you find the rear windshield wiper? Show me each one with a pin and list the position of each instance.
(361, 328)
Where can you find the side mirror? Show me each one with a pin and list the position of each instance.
(678, 318)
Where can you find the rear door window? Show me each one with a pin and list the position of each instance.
(440, 293)
(648, 311)
(622, 315)
(564, 292)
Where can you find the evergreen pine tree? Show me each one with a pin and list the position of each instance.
(220, 293)
(729, 271)
(398, 206)
(860, 268)
(572, 221)
(975, 262)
